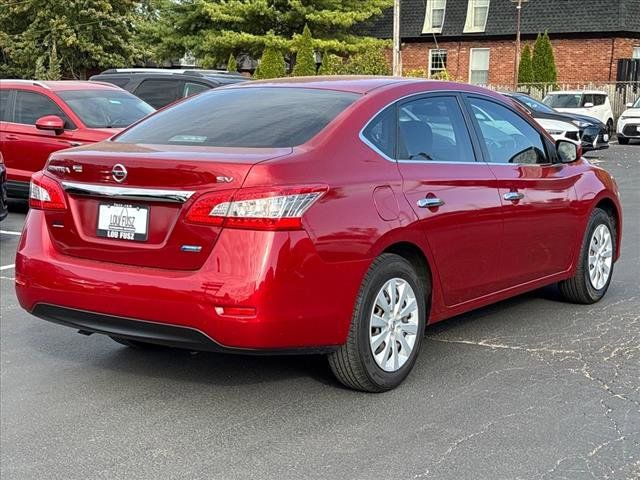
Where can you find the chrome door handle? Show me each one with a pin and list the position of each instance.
(74, 144)
(431, 202)
(513, 196)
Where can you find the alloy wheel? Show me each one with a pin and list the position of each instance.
(600, 256)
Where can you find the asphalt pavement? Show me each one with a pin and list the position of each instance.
(530, 388)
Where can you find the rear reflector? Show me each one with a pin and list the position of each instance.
(45, 193)
(279, 208)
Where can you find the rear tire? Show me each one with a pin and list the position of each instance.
(586, 286)
(383, 343)
(623, 140)
(610, 130)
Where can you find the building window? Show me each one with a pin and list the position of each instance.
(434, 16)
(636, 52)
(437, 61)
(477, 14)
(479, 66)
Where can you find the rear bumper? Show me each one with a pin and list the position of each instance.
(299, 301)
(149, 332)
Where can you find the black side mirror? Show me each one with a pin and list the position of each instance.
(568, 151)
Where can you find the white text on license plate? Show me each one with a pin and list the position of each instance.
(123, 222)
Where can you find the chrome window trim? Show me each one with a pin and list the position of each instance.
(127, 193)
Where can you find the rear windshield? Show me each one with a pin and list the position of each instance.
(99, 108)
(565, 100)
(243, 117)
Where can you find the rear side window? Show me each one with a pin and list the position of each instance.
(381, 132)
(117, 81)
(159, 93)
(5, 95)
(433, 129)
(31, 106)
(243, 117)
(191, 88)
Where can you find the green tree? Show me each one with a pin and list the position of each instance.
(87, 34)
(211, 29)
(271, 64)
(332, 64)
(305, 57)
(525, 69)
(372, 61)
(544, 64)
(232, 64)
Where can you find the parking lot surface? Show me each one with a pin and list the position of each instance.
(528, 388)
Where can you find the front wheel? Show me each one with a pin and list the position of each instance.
(610, 130)
(386, 328)
(623, 140)
(595, 266)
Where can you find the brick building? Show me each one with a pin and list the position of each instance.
(475, 39)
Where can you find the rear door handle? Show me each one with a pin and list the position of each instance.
(12, 137)
(513, 196)
(430, 202)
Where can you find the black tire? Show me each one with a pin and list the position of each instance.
(623, 140)
(610, 127)
(578, 289)
(353, 363)
(138, 345)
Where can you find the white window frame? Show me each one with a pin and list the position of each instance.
(436, 51)
(469, 25)
(428, 16)
(471, 52)
(635, 52)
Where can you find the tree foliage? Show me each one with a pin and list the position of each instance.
(525, 69)
(271, 64)
(371, 61)
(332, 64)
(305, 57)
(543, 61)
(232, 64)
(212, 29)
(76, 34)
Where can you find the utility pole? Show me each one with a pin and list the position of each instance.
(517, 57)
(397, 59)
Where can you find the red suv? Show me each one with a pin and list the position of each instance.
(38, 118)
(314, 215)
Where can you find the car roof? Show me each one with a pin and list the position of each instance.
(173, 71)
(576, 92)
(60, 85)
(354, 84)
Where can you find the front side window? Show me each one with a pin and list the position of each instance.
(507, 136)
(479, 66)
(30, 106)
(437, 62)
(598, 100)
(563, 100)
(433, 129)
(255, 117)
(381, 132)
(106, 108)
(477, 14)
(434, 16)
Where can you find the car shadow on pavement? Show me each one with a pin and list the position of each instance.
(207, 368)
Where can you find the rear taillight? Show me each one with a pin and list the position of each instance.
(45, 193)
(279, 208)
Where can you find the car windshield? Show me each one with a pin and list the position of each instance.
(98, 108)
(533, 104)
(563, 100)
(261, 117)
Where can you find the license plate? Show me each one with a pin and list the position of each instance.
(123, 222)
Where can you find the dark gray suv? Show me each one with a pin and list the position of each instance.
(160, 87)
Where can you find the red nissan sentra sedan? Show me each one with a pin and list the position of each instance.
(333, 215)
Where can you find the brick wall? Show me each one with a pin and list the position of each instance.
(577, 60)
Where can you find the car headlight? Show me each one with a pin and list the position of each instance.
(580, 123)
